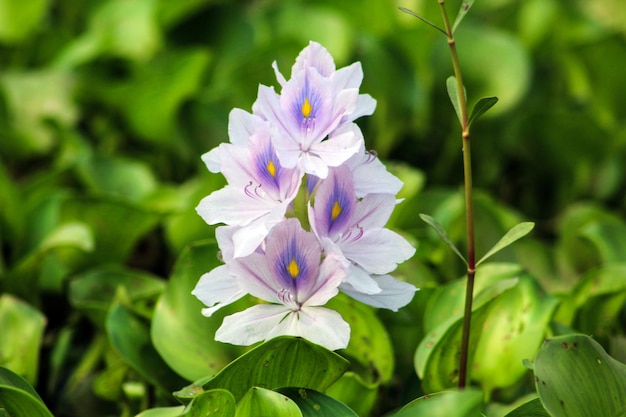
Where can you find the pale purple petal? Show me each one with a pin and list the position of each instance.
(241, 125)
(361, 281)
(255, 277)
(334, 204)
(316, 56)
(378, 251)
(212, 160)
(318, 324)
(332, 274)
(394, 293)
(374, 210)
(217, 289)
(348, 77)
(365, 106)
(279, 76)
(233, 206)
(371, 175)
(251, 325)
(342, 144)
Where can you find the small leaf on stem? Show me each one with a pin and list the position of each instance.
(442, 234)
(428, 22)
(453, 92)
(517, 232)
(465, 6)
(481, 107)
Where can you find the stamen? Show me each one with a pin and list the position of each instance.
(371, 156)
(293, 269)
(306, 108)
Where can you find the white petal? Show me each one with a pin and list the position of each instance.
(331, 275)
(212, 160)
(241, 125)
(251, 325)
(361, 281)
(317, 324)
(394, 295)
(378, 251)
(217, 289)
(232, 206)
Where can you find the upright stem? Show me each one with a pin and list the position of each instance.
(469, 205)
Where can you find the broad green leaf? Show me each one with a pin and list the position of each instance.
(162, 412)
(129, 337)
(352, 391)
(453, 93)
(369, 341)
(185, 338)
(279, 362)
(22, 328)
(423, 19)
(9, 378)
(465, 6)
(19, 20)
(532, 408)
(481, 108)
(466, 403)
(436, 357)
(442, 234)
(515, 326)
(316, 404)
(263, 402)
(609, 239)
(575, 377)
(20, 403)
(214, 403)
(516, 233)
(94, 291)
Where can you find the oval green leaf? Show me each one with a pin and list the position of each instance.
(575, 377)
(263, 402)
(515, 233)
(466, 403)
(316, 404)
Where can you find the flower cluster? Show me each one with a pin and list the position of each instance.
(304, 210)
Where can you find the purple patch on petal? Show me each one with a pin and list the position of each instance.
(339, 206)
(267, 167)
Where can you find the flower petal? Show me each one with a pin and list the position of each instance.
(361, 281)
(217, 289)
(378, 251)
(318, 324)
(394, 294)
(251, 325)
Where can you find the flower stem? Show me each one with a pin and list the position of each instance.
(469, 206)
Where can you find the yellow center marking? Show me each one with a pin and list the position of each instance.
(306, 108)
(293, 269)
(271, 168)
(336, 211)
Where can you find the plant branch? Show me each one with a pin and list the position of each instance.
(469, 206)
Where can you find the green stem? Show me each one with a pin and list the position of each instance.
(469, 205)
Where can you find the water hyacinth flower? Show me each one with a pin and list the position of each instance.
(312, 117)
(299, 160)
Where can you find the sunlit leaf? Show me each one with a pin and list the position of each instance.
(517, 232)
(466, 403)
(442, 234)
(279, 362)
(575, 377)
(316, 404)
(214, 403)
(21, 332)
(185, 338)
(130, 338)
(18, 397)
(352, 391)
(481, 107)
(453, 93)
(532, 408)
(263, 402)
(162, 412)
(465, 6)
(19, 20)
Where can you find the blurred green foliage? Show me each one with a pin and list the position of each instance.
(107, 105)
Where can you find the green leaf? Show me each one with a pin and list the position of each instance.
(185, 338)
(214, 403)
(423, 19)
(18, 397)
(19, 20)
(129, 337)
(442, 234)
(516, 233)
(532, 408)
(465, 6)
(466, 403)
(436, 357)
(575, 377)
(279, 362)
(609, 238)
(263, 402)
(352, 391)
(316, 404)
(453, 93)
(94, 291)
(20, 338)
(162, 412)
(369, 342)
(481, 108)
